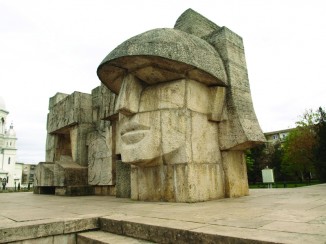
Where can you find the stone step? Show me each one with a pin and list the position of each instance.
(160, 230)
(101, 237)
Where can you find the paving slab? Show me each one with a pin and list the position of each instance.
(296, 215)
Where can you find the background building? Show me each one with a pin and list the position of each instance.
(28, 173)
(18, 173)
(277, 136)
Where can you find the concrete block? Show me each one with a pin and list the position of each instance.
(236, 179)
(31, 231)
(44, 174)
(163, 96)
(81, 224)
(123, 186)
(68, 173)
(65, 239)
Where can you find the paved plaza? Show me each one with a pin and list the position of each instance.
(296, 215)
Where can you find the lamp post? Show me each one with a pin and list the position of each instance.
(16, 183)
(4, 183)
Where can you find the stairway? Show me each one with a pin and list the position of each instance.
(139, 229)
(117, 229)
(101, 237)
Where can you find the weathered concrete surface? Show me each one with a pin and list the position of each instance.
(161, 55)
(184, 111)
(101, 237)
(267, 215)
(123, 188)
(80, 155)
(174, 103)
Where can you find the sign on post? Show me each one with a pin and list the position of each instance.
(268, 176)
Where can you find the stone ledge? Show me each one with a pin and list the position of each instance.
(160, 230)
(45, 228)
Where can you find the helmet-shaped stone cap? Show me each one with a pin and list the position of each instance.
(162, 55)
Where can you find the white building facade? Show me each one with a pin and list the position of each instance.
(277, 136)
(8, 150)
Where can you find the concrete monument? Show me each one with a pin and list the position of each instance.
(170, 121)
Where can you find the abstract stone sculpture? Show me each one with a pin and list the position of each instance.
(182, 116)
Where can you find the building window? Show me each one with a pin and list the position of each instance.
(9, 160)
(275, 137)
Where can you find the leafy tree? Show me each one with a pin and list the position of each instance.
(299, 155)
(250, 165)
(259, 158)
(320, 163)
(304, 147)
(255, 158)
(276, 155)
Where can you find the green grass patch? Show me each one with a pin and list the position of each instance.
(13, 190)
(289, 184)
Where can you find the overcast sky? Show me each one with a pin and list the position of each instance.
(56, 46)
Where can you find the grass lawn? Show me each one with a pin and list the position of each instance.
(289, 184)
(13, 190)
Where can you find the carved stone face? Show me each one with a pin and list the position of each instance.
(167, 123)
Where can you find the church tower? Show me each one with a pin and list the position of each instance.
(3, 117)
(8, 150)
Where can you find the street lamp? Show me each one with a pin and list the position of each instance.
(4, 183)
